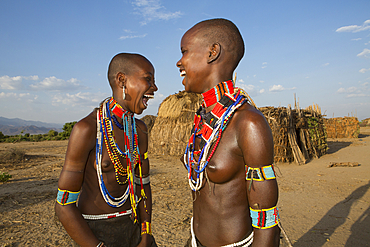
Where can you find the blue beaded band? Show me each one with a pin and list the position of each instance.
(260, 174)
(65, 197)
(265, 218)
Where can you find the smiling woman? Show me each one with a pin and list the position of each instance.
(107, 161)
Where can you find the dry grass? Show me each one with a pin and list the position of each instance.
(12, 155)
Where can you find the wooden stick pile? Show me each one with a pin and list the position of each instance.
(342, 127)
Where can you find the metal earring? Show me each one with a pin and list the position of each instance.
(123, 93)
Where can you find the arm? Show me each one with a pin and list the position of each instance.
(257, 146)
(81, 143)
(145, 205)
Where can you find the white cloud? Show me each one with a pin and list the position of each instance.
(250, 89)
(325, 64)
(279, 88)
(78, 99)
(262, 90)
(350, 91)
(153, 10)
(7, 95)
(19, 96)
(355, 95)
(158, 98)
(32, 77)
(11, 83)
(264, 65)
(355, 28)
(363, 70)
(276, 88)
(365, 53)
(132, 36)
(54, 84)
(357, 39)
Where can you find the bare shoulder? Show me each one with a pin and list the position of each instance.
(141, 126)
(249, 117)
(254, 136)
(84, 131)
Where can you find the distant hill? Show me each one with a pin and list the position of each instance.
(14, 126)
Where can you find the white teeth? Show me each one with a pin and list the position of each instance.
(150, 96)
(147, 97)
(183, 73)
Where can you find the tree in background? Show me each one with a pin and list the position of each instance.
(67, 129)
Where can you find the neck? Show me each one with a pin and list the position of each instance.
(214, 95)
(117, 108)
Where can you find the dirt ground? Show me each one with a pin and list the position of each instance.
(319, 205)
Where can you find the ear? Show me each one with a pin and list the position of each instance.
(121, 79)
(214, 52)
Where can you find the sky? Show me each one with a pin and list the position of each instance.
(54, 55)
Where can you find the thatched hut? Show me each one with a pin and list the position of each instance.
(172, 127)
(149, 121)
(299, 135)
(342, 127)
(365, 122)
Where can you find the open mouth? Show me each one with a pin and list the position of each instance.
(146, 98)
(182, 73)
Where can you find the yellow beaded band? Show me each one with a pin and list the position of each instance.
(146, 228)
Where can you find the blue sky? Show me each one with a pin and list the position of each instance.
(54, 54)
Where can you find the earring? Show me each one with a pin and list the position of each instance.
(123, 93)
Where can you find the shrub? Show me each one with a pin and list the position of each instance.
(4, 177)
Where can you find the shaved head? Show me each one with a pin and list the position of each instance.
(125, 63)
(225, 33)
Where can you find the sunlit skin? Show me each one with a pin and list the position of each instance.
(221, 207)
(79, 170)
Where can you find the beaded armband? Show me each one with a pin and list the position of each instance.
(146, 228)
(145, 178)
(65, 197)
(260, 174)
(265, 218)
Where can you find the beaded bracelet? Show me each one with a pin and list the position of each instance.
(101, 244)
(65, 197)
(264, 218)
(146, 228)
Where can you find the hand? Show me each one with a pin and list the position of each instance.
(146, 240)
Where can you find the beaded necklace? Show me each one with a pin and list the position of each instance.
(215, 94)
(131, 154)
(211, 131)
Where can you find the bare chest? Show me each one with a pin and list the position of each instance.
(224, 158)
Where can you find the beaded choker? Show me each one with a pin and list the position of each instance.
(131, 153)
(117, 109)
(215, 94)
(211, 131)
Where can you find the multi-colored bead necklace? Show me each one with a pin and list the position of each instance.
(215, 94)
(131, 154)
(211, 130)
